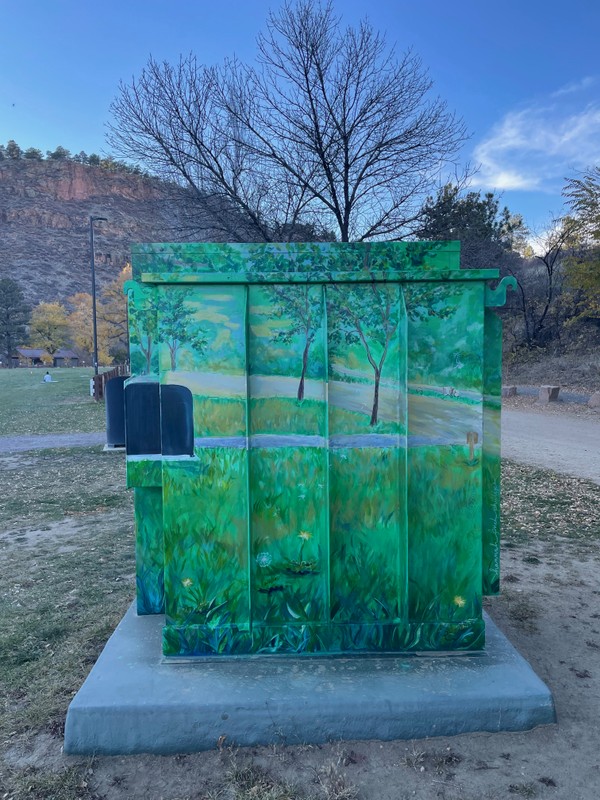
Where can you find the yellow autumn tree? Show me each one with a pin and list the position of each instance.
(81, 327)
(49, 327)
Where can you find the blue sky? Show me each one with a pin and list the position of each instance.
(523, 74)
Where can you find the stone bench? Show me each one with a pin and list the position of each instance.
(509, 391)
(548, 394)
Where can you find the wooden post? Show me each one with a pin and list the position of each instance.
(472, 439)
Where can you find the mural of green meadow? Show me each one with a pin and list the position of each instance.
(342, 493)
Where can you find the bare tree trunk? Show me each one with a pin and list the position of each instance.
(375, 410)
(304, 365)
(148, 355)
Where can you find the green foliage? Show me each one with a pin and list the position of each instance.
(343, 420)
(318, 258)
(14, 316)
(368, 535)
(583, 196)
(445, 334)
(205, 539)
(301, 310)
(60, 154)
(177, 326)
(369, 319)
(33, 154)
(143, 335)
(12, 150)
(485, 231)
(583, 265)
(582, 271)
(207, 601)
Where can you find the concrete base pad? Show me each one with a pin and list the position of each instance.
(134, 701)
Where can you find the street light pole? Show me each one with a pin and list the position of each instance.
(93, 268)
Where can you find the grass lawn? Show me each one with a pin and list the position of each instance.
(67, 576)
(30, 406)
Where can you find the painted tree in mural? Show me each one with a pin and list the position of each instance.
(301, 307)
(177, 326)
(370, 319)
(143, 330)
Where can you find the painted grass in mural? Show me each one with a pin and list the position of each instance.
(444, 543)
(149, 551)
(290, 555)
(368, 535)
(205, 538)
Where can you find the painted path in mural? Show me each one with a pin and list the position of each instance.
(437, 420)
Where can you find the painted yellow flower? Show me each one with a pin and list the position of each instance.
(460, 601)
(305, 535)
(187, 582)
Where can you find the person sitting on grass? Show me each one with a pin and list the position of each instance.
(47, 377)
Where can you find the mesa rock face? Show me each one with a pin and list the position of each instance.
(44, 223)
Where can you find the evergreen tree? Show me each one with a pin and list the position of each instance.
(14, 316)
(33, 154)
(13, 150)
(485, 231)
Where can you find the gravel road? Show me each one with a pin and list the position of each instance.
(561, 442)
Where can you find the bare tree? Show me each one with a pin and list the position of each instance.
(539, 282)
(330, 130)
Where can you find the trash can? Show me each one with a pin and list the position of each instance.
(327, 478)
(115, 412)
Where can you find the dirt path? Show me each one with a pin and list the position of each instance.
(561, 442)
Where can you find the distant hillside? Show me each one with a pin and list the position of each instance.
(44, 223)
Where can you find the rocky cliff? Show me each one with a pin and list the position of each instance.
(44, 223)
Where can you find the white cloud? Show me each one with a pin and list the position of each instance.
(536, 146)
(576, 86)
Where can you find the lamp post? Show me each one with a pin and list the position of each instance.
(92, 265)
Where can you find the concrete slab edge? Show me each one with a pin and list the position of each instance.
(134, 702)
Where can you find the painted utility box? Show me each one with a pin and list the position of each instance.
(313, 442)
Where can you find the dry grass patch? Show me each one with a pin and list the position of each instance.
(67, 576)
